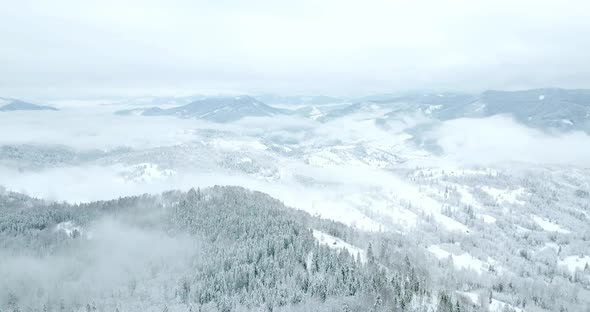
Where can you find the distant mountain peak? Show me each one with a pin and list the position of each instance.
(18, 105)
(216, 109)
(543, 108)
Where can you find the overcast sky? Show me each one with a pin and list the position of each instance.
(115, 47)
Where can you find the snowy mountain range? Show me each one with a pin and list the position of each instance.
(558, 109)
(499, 211)
(218, 109)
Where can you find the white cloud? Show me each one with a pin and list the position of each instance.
(501, 139)
(66, 47)
(95, 129)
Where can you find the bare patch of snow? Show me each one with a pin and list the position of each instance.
(146, 172)
(473, 297)
(494, 306)
(466, 197)
(337, 243)
(336, 209)
(573, 263)
(324, 159)
(451, 171)
(488, 219)
(500, 306)
(508, 196)
(549, 226)
(382, 204)
(450, 223)
(463, 261)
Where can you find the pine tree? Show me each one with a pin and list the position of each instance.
(370, 255)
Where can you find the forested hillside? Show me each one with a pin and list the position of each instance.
(217, 249)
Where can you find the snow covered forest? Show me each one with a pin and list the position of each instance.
(217, 249)
(294, 156)
(376, 205)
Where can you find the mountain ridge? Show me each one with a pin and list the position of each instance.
(216, 109)
(8, 105)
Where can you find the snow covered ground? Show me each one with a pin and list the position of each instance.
(146, 173)
(454, 171)
(487, 218)
(462, 261)
(548, 225)
(466, 197)
(337, 243)
(493, 306)
(573, 263)
(349, 170)
(509, 196)
(450, 223)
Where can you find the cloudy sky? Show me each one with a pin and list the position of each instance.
(111, 47)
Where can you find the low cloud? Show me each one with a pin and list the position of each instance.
(500, 139)
(117, 256)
